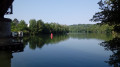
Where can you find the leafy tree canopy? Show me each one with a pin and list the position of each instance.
(110, 12)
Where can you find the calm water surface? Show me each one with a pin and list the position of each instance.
(71, 50)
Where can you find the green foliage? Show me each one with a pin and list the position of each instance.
(47, 28)
(109, 14)
(13, 27)
(15, 21)
(33, 26)
(19, 26)
(56, 28)
(22, 25)
(91, 28)
(38, 27)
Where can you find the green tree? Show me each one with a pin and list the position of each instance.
(36, 27)
(33, 26)
(40, 26)
(110, 13)
(47, 28)
(15, 21)
(13, 27)
(22, 25)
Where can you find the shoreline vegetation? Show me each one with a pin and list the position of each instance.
(91, 28)
(39, 27)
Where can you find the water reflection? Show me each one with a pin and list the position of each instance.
(40, 41)
(91, 36)
(9, 46)
(114, 46)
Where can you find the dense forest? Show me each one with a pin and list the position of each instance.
(91, 28)
(38, 27)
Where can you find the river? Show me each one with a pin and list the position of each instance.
(70, 50)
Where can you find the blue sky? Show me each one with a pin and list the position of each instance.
(60, 11)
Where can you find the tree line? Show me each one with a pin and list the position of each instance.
(38, 27)
(91, 28)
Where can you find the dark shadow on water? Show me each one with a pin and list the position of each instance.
(114, 46)
(9, 46)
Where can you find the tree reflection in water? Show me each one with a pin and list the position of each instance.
(9, 46)
(40, 41)
(114, 46)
